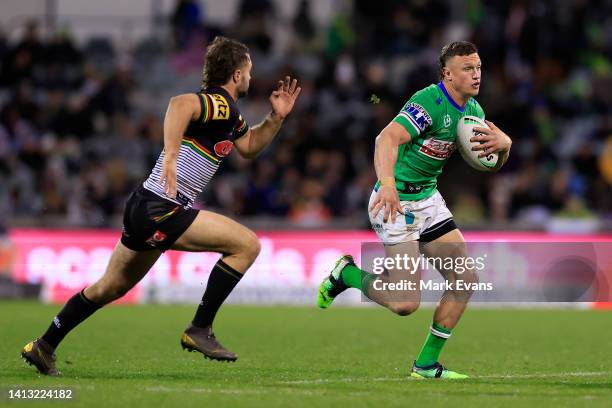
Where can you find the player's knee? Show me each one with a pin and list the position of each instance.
(470, 281)
(471, 277)
(251, 246)
(404, 308)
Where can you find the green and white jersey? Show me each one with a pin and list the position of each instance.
(431, 117)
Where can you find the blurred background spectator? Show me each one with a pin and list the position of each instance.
(81, 119)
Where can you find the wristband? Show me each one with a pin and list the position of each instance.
(387, 181)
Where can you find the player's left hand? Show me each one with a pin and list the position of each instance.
(495, 140)
(283, 98)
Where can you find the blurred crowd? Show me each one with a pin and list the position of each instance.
(81, 122)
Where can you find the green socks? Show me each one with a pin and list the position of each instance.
(433, 345)
(354, 277)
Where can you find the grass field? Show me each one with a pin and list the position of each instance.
(130, 356)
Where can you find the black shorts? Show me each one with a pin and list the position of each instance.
(436, 231)
(152, 222)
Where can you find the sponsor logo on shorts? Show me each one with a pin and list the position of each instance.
(378, 228)
(182, 199)
(437, 149)
(409, 217)
(156, 238)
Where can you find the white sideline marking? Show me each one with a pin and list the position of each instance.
(549, 375)
(344, 380)
(237, 391)
(502, 376)
(203, 390)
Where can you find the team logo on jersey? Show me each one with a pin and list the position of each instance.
(156, 238)
(223, 148)
(447, 120)
(417, 115)
(437, 149)
(221, 109)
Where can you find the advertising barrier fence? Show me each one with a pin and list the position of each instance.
(541, 267)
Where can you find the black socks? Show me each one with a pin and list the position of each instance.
(77, 309)
(221, 282)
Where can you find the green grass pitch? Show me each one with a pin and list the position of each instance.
(129, 356)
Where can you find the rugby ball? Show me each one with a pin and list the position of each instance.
(465, 131)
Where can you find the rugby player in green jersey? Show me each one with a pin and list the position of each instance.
(408, 213)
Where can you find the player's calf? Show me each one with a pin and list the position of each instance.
(463, 292)
(403, 308)
(125, 269)
(104, 292)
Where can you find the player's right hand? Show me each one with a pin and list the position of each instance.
(387, 199)
(168, 177)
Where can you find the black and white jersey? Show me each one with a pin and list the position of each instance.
(206, 142)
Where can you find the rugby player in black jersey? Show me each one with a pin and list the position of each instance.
(200, 130)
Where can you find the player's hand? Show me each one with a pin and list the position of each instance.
(387, 199)
(495, 140)
(283, 98)
(168, 176)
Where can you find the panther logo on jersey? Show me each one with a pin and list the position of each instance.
(223, 148)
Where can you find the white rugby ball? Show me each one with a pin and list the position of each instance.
(465, 131)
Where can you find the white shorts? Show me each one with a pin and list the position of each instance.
(423, 220)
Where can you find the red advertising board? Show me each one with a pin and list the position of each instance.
(68, 260)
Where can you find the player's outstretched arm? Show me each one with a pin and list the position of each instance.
(385, 157)
(262, 134)
(496, 141)
(181, 110)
